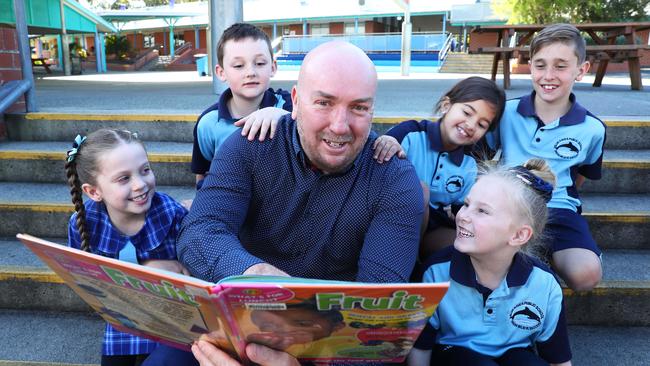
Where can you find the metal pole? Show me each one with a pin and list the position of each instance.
(444, 24)
(229, 12)
(102, 41)
(171, 38)
(98, 54)
(65, 48)
(275, 30)
(197, 45)
(406, 41)
(356, 26)
(25, 53)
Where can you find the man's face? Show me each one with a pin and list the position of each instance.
(333, 106)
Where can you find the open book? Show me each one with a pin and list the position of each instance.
(314, 320)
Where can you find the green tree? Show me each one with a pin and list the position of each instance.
(117, 45)
(571, 11)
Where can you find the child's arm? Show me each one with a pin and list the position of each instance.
(418, 357)
(167, 265)
(262, 120)
(580, 179)
(386, 147)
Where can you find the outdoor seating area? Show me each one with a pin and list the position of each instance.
(605, 50)
(41, 62)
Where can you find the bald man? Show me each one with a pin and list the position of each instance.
(311, 202)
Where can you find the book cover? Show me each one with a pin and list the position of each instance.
(315, 320)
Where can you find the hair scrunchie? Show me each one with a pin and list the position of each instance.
(542, 187)
(72, 153)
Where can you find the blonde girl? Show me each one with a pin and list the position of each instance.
(501, 303)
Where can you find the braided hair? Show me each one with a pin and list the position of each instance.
(82, 167)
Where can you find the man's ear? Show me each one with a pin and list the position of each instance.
(220, 72)
(294, 102)
(92, 192)
(582, 70)
(521, 236)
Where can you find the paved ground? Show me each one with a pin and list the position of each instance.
(187, 93)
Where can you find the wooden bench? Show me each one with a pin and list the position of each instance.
(603, 54)
(39, 61)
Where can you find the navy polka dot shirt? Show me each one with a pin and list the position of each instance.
(261, 202)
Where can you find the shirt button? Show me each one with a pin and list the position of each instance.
(438, 178)
(441, 165)
(538, 139)
(490, 311)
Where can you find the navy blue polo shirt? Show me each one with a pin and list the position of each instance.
(572, 144)
(262, 202)
(449, 174)
(215, 124)
(524, 310)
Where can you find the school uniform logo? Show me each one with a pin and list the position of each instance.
(454, 184)
(526, 316)
(567, 148)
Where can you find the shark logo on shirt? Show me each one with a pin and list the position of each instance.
(526, 315)
(454, 184)
(567, 148)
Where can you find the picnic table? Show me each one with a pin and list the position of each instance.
(603, 51)
(39, 61)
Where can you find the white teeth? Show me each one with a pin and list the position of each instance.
(549, 87)
(333, 144)
(140, 197)
(462, 131)
(464, 233)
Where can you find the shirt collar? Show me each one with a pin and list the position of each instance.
(158, 222)
(435, 139)
(462, 271)
(576, 114)
(268, 100)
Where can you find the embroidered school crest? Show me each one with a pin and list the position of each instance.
(454, 183)
(526, 316)
(567, 148)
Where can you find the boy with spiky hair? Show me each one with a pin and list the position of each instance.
(245, 62)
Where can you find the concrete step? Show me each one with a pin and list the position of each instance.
(20, 160)
(32, 338)
(625, 171)
(622, 133)
(28, 284)
(43, 209)
(39, 338)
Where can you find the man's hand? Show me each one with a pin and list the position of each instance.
(262, 120)
(265, 269)
(167, 265)
(386, 147)
(209, 355)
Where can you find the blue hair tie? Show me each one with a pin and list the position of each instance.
(72, 153)
(542, 187)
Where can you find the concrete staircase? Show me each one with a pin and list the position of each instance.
(466, 63)
(45, 323)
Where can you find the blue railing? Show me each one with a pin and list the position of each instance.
(371, 43)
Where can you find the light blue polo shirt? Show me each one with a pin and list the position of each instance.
(450, 175)
(572, 144)
(525, 310)
(216, 124)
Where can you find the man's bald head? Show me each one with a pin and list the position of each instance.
(333, 105)
(338, 57)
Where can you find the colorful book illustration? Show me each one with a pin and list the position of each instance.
(314, 320)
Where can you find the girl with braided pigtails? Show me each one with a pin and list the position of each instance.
(124, 218)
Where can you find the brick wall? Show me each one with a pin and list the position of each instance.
(10, 68)
(337, 28)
